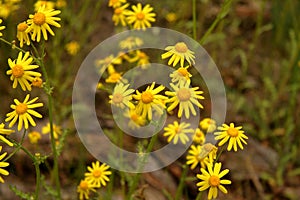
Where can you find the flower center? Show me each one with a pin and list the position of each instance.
(21, 108)
(177, 130)
(18, 71)
(117, 98)
(96, 173)
(183, 72)
(115, 76)
(134, 117)
(39, 18)
(214, 181)
(37, 82)
(181, 47)
(147, 97)
(84, 185)
(140, 16)
(183, 94)
(233, 132)
(22, 27)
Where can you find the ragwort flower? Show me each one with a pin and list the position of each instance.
(116, 3)
(1, 28)
(98, 174)
(135, 119)
(177, 132)
(84, 189)
(121, 96)
(140, 17)
(5, 132)
(234, 134)
(22, 112)
(199, 136)
(20, 71)
(181, 76)
(3, 164)
(119, 15)
(131, 42)
(34, 137)
(22, 36)
(56, 130)
(211, 178)
(208, 125)
(40, 21)
(72, 48)
(179, 52)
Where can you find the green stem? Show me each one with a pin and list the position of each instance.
(17, 148)
(12, 45)
(194, 19)
(181, 182)
(218, 156)
(199, 195)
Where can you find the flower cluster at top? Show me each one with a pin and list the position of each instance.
(95, 177)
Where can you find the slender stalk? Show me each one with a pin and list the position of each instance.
(199, 195)
(181, 182)
(194, 19)
(17, 149)
(12, 45)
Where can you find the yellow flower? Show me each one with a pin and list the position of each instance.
(177, 132)
(131, 42)
(20, 71)
(199, 137)
(171, 17)
(114, 76)
(149, 100)
(61, 3)
(47, 4)
(141, 58)
(56, 130)
(40, 21)
(107, 62)
(34, 137)
(5, 132)
(22, 112)
(37, 82)
(208, 125)
(7, 7)
(1, 28)
(140, 17)
(72, 48)
(234, 134)
(211, 178)
(119, 15)
(3, 164)
(121, 96)
(181, 76)
(135, 120)
(186, 97)
(84, 189)
(98, 174)
(179, 52)
(116, 3)
(22, 36)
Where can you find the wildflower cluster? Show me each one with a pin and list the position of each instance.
(95, 177)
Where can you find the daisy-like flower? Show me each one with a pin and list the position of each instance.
(177, 132)
(199, 137)
(235, 136)
(211, 178)
(208, 125)
(119, 15)
(179, 52)
(34, 137)
(149, 100)
(48, 5)
(181, 76)
(171, 17)
(56, 130)
(121, 96)
(1, 28)
(22, 112)
(4, 132)
(84, 188)
(40, 21)
(114, 76)
(20, 71)
(3, 164)
(72, 48)
(116, 3)
(98, 174)
(22, 36)
(107, 62)
(141, 58)
(201, 155)
(135, 120)
(186, 97)
(140, 17)
(131, 42)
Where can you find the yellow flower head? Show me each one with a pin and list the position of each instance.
(114, 76)
(1, 28)
(98, 174)
(135, 120)
(47, 4)
(116, 3)
(22, 112)
(208, 125)
(140, 17)
(40, 21)
(197, 155)
(7, 7)
(171, 17)
(3, 164)
(199, 136)
(56, 130)
(61, 3)
(37, 82)
(149, 100)
(84, 189)
(211, 179)
(234, 134)
(141, 58)
(121, 96)
(119, 15)
(181, 76)
(131, 42)
(22, 36)
(177, 132)
(4, 132)
(179, 52)
(107, 62)
(72, 48)
(34, 137)
(186, 97)
(21, 71)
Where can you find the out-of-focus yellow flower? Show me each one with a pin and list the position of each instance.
(116, 3)
(22, 36)
(208, 125)
(107, 62)
(171, 17)
(131, 42)
(47, 4)
(7, 7)
(84, 189)
(135, 120)
(177, 132)
(180, 76)
(61, 4)
(34, 137)
(119, 15)
(4, 132)
(37, 82)
(1, 28)
(72, 48)
(98, 174)
(56, 130)
(199, 137)
(141, 58)
(3, 164)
